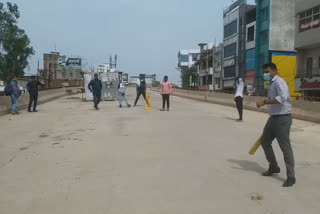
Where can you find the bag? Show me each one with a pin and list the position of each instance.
(8, 90)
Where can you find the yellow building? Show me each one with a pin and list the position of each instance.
(287, 68)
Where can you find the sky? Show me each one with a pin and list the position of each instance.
(145, 34)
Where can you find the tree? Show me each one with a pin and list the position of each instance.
(189, 77)
(15, 48)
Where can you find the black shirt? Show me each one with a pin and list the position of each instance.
(33, 86)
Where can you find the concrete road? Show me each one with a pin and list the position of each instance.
(69, 158)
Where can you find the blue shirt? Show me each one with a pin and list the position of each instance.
(279, 90)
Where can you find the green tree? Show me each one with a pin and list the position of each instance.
(15, 48)
(189, 77)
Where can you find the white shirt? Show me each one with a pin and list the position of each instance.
(279, 90)
(240, 87)
(123, 88)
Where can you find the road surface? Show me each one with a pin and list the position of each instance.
(69, 158)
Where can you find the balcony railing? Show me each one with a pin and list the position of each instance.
(303, 74)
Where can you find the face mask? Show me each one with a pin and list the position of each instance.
(266, 76)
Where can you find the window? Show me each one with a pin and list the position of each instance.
(264, 14)
(230, 71)
(230, 50)
(309, 19)
(183, 58)
(194, 57)
(250, 34)
(209, 80)
(309, 63)
(230, 29)
(218, 82)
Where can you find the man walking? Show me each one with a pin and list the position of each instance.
(95, 86)
(32, 87)
(141, 90)
(239, 97)
(278, 125)
(165, 91)
(15, 94)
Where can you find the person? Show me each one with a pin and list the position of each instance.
(15, 94)
(95, 86)
(278, 125)
(122, 90)
(165, 91)
(32, 87)
(239, 97)
(141, 89)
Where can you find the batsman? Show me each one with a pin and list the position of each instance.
(278, 125)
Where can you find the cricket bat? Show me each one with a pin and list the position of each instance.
(255, 146)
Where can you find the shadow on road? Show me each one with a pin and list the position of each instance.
(252, 167)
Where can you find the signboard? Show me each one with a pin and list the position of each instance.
(310, 24)
(310, 84)
(73, 62)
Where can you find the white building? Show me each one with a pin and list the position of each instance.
(187, 58)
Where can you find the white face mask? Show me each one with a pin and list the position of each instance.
(266, 76)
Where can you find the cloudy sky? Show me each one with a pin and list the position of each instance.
(146, 34)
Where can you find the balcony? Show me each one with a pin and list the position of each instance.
(304, 74)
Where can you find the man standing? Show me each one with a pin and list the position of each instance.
(165, 91)
(278, 125)
(141, 90)
(32, 87)
(95, 86)
(15, 94)
(239, 97)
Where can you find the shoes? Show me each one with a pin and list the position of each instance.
(29, 110)
(167, 109)
(120, 106)
(289, 182)
(129, 106)
(271, 171)
(35, 111)
(239, 120)
(14, 113)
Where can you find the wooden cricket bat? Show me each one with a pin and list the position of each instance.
(255, 146)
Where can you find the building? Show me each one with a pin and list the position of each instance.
(59, 67)
(187, 58)
(209, 66)
(51, 68)
(307, 44)
(250, 46)
(275, 32)
(205, 66)
(234, 42)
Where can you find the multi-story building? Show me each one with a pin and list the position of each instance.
(234, 42)
(307, 44)
(275, 32)
(205, 66)
(58, 67)
(209, 66)
(250, 46)
(187, 58)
